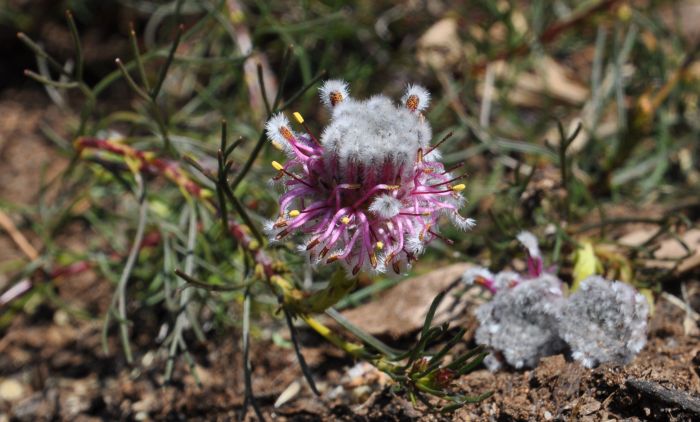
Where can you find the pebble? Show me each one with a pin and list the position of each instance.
(361, 393)
(61, 318)
(11, 390)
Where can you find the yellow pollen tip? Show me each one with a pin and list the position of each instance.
(298, 117)
(277, 166)
(294, 213)
(459, 188)
(393, 187)
(277, 145)
(345, 220)
(380, 245)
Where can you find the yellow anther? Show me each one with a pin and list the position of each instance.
(459, 188)
(380, 245)
(294, 213)
(393, 187)
(277, 145)
(345, 220)
(298, 117)
(277, 166)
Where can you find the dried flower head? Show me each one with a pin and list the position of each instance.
(529, 317)
(604, 321)
(369, 192)
(520, 322)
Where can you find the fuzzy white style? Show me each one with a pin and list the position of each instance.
(462, 223)
(529, 241)
(273, 129)
(520, 322)
(386, 206)
(604, 321)
(507, 279)
(472, 275)
(495, 283)
(416, 97)
(333, 90)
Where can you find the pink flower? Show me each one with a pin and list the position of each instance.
(370, 191)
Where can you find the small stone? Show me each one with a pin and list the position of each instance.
(143, 406)
(288, 394)
(11, 390)
(589, 407)
(147, 359)
(75, 404)
(361, 393)
(61, 318)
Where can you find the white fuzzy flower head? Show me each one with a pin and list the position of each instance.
(333, 92)
(374, 132)
(416, 98)
(520, 322)
(604, 321)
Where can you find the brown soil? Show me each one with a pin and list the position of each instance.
(59, 364)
